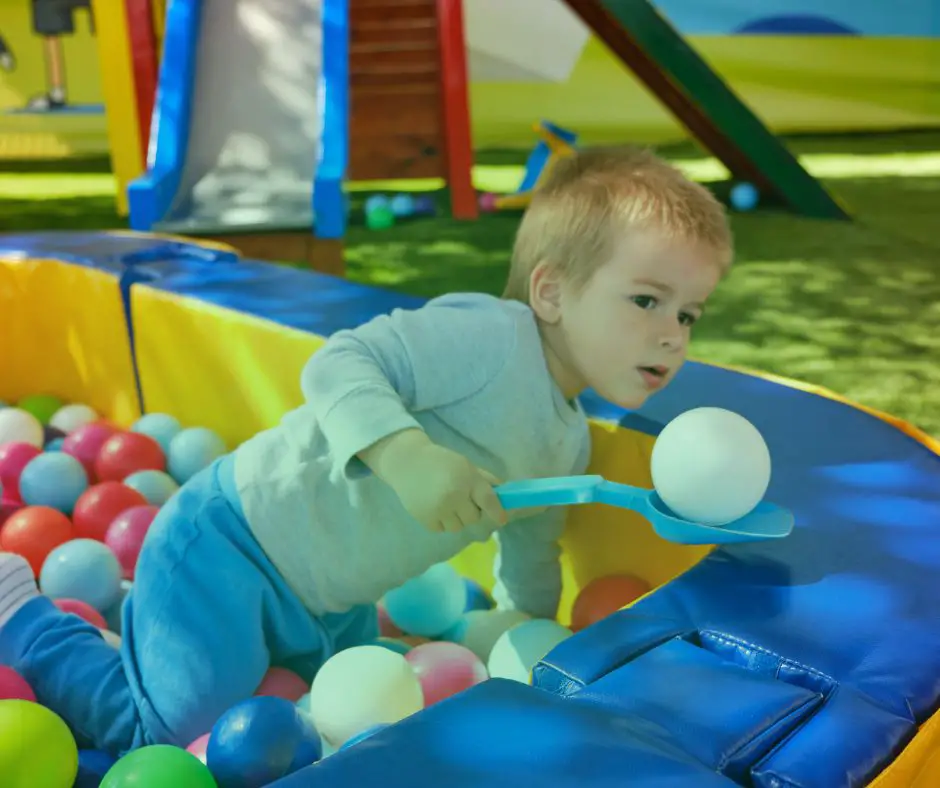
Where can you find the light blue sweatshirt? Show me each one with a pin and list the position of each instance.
(470, 371)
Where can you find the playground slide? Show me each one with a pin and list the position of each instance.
(238, 134)
(673, 71)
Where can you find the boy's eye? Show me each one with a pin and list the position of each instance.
(644, 301)
(687, 319)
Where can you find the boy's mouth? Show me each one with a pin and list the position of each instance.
(654, 376)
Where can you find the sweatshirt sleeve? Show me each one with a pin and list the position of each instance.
(368, 382)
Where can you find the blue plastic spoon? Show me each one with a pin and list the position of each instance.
(765, 521)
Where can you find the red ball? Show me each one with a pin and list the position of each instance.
(13, 458)
(283, 683)
(33, 532)
(125, 535)
(14, 687)
(97, 507)
(444, 669)
(85, 442)
(82, 610)
(126, 453)
(604, 596)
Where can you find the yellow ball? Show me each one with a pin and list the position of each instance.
(36, 747)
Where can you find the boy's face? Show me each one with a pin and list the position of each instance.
(626, 332)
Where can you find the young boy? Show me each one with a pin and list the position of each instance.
(276, 554)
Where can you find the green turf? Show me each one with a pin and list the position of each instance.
(853, 306)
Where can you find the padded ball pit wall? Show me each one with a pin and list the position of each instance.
(812, 662)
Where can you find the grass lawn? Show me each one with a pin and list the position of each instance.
(851, 306)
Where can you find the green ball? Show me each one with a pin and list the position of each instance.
(42, 406)
(36, 747)
(159, 766)
(380, 218)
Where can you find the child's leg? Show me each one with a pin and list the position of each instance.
(208, 614)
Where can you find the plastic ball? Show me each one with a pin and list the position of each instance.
(20, 426)
(55, 480)
(70, 417)
(83, 610)
(444, 669)
(477, 598)
(376, 202)
(125, 536)
(604, 596)
(126, 453)
(424, 205)
(93, 765)
(487, 202)
(380, 218)
(360, 687)
(86, 441)
(36, 747)
(744, 196)
(34, 532)
(159, 766)
(352, 741)
(519, 649)
(386, 626)
(282, 683)
(710, 466)
(191, 450)
(479, 630)
(14, 457)
(54, 445)
(42, 406)
(259, 741)
(162, 427)
(402, 205)
(429, 604)
(82, 569)
(156, 486)
(111, 638)
(97, 507)
(14, 687)
(198, 747)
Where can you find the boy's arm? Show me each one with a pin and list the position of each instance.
(364, 384)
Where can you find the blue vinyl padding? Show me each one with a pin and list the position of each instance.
(797, 663)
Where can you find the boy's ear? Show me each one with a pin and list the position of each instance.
(545, 292)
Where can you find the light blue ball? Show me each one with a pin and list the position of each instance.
(53, 479)
(54, 445)
(376, 202)
(156, 486)
(402, 205)
(429, 604)
(191, 450)
(744, 196)
(83, 569)
(160, 426)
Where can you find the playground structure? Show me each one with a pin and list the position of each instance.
(808, 661)
(255, 151)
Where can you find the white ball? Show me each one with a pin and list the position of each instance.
(20, 426)
(519, 649)
(70, 417)
(710, 466)
(480, 629)
(111, 638)
(361, 687)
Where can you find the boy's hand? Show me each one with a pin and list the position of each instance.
(440, 488)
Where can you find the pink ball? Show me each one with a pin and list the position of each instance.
(14, 687)
(85, 442)
(283, 683)
(198, 747)
(444, 669)
(125, 535)
(82, 610)
(13, 458)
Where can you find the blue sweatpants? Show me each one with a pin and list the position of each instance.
(207, 615)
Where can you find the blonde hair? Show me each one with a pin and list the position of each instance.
(575, 213)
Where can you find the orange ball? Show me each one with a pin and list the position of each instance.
(605, 596)
(33, 532)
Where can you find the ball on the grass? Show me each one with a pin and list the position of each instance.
(360, 687)
(14, 687)
(710, 465)
(20, 426)
(53, 479)
(156, 486)
(259, 741)
(519, 649)
(36, 747)
(69, 418)
(159, 766)
(191, 450)
(83, 569)
(162, 427)
(34, 532)
(429, 604)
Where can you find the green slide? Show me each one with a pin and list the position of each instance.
(660, 57)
